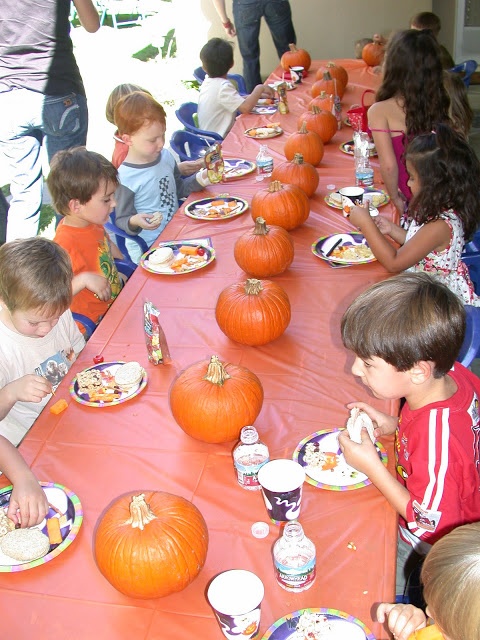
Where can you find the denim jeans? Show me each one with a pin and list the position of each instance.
(247, 15)
(28, 118)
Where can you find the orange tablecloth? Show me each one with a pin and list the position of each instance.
(102, 453)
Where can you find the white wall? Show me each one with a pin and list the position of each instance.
(326, 29)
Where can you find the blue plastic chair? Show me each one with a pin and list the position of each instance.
(472, 260)
(473, 246)
(121, 236)
(238, 80)
(471, 343)
(185, 113)
(189, 146)
(467, 69)
(125, 268)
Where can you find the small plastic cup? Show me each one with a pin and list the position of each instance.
(235, 596)
(282, 481)
(351, 196)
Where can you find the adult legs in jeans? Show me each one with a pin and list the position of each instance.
(247, 15)
(27, 117)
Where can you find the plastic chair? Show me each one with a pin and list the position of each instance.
(467, 69)
(121, 236)
(189, 146)
(471, 343)
(473, 246)
(472, 260)
(185, 113)
(237, 80)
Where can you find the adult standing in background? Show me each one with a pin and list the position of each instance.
(247, 15)
(41, 97)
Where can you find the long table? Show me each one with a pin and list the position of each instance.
(100, 453)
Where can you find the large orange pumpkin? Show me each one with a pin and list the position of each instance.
(212, 401)
(329, 85)
(323, 101)
(295, 58)
(285, 205)
(303, 174)
(264, 251)
(306, 142)
(254, 312)
(150, 545)
(373, 53)
(336, 71)
(322, 122)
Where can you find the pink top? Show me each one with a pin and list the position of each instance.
(398, 143)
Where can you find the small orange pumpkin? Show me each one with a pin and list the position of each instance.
(150, 545)
(306, 142)
(322, 122)
(336, 71)
(298, 172)
(329, 85)
(323, 101)
(285, 205)
(264, 251)
(374, 52)
(254, 312)
(212, 401)
(295, 57)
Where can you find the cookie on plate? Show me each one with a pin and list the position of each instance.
(25, 545)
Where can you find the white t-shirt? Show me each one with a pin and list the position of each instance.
(218, 102)
(50, 356)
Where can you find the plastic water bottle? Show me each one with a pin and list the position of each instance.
(294, 559)
(264, 163)
(248, 456)
(363, 173)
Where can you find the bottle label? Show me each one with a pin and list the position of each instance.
(364, 178)
(247, 476)
(265, 166)
(295, 578)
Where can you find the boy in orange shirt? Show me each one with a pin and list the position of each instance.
(82, 184)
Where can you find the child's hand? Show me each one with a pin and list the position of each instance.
(385, 424)
(29, 388)
(98, 285)
(189, 167)
(28, 503)
(357, 215)
(362, 457)
(402, 619)
(267, 92)
(146, 220)
(384, 225)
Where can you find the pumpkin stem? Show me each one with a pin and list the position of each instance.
(253, 287)
(216, 372)
(140, 513)
(261, 228)
(292, 47)
(316, 109)
(275, 185)
(303, 127)
(327, 76)
(297, 159)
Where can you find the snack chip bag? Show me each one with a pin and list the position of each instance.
(214, 163)
(157, 347)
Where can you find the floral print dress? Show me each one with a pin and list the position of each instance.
(447, 265)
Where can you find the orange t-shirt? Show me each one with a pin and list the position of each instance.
(89, 250)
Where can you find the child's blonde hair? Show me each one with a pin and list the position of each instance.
(135, 110)
(451, 578)
(76, 174)
(35, 273)
(119, 92)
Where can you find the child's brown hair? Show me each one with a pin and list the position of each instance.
(35, 274)
(135, 110)
(76, 174)
(426, 20)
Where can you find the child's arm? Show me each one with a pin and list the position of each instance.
(28, 503)
(364, 458)
(386, 425)
(189, 167)
(433, 236)
(94, 282)
(260, 91)
(402, 619)
(29, 388)
(389, 228)
(88, 15)
(126, 216)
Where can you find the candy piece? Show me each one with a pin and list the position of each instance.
(58, 407)
(53, 530)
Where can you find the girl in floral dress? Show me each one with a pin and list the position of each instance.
(444, 212)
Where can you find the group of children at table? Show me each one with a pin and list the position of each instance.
(405, 332)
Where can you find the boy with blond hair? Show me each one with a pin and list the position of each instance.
(150, 182)
(406, 333)
(36, 328)
(82, 184)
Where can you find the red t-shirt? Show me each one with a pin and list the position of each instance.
(89, 250)
(438, 460)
